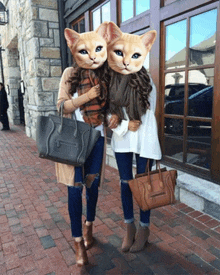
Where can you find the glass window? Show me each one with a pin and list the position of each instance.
(175, 56)
(142, 5)
(188, 106)
(174, 138)
(75, 27)
(200, 97)
(128, 11)
(203, 38)
(96, 19)
(199, 143)
(106, 16)
(79, 25)
(82, 25)
(174, 93)
(103, 13)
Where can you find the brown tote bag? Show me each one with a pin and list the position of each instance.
(154, 188)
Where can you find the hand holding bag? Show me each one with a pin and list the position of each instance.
(154, 189)
(65, 140)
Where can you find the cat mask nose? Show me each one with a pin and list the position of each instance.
(92, 58)
(126, 63)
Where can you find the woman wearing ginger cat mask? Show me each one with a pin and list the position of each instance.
(83, 89)
(133, 99)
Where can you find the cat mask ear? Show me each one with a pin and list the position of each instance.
(148, 39)
(71, 36)
(102, 30)
(114, 32)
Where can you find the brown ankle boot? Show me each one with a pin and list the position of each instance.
(141, 239)
(129, 238)
(81, 255)
(87, 234)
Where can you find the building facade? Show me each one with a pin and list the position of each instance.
(183, 63)
(31, 60)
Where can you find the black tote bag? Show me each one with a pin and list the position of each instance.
(65, 140)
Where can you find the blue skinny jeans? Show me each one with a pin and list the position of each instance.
(124, 162)
(92, 168)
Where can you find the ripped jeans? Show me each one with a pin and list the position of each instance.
(124, 162)
(91, 179)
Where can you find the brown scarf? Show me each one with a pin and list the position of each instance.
(93, 111)
(123, 95)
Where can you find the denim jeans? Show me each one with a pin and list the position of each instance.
(92, 166)
(124, 162)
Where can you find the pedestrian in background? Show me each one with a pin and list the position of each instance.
(3, 108)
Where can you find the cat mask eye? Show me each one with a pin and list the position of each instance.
(89, 49)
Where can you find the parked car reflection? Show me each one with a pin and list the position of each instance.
(199, 105)
(176, 91)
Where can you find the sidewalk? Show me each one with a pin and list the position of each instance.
(35, 236)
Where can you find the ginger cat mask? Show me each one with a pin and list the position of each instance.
(127, 52)
(89, 49)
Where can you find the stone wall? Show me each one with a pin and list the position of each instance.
(33, 34)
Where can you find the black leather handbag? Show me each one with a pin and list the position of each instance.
(65, 140)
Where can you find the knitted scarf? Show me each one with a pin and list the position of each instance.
(93, 111)
(123, 95)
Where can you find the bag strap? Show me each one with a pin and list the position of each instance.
(61, 115)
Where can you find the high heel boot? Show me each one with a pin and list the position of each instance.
(129, 238)
(141, 239)
(81, 255)
(87, 234)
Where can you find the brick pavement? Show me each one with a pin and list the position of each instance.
(35, 234)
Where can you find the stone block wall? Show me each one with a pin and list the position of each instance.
(32, 32)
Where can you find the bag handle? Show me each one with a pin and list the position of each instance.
(73, 117)
(158, 168)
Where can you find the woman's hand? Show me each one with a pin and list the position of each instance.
(134, 125)
(94, 92)
(113, 122)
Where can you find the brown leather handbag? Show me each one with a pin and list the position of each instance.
(154, 188)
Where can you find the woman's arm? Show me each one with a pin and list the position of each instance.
(71, 104)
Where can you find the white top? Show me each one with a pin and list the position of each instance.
(79, 117)
(145, 140)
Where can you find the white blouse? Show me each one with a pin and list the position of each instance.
(79, 117)
(145, 140)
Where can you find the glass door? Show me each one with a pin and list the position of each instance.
(188, 85)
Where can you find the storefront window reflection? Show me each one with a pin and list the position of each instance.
(175, 56)
(203, 38)
(199, 143)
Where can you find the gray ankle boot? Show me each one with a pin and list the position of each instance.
(141, 239)
(129, 238)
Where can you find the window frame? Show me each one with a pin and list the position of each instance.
(99, 6)
(77, 22)
(206, 173)
(134, 11)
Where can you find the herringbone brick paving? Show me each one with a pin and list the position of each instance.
(35, 235)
